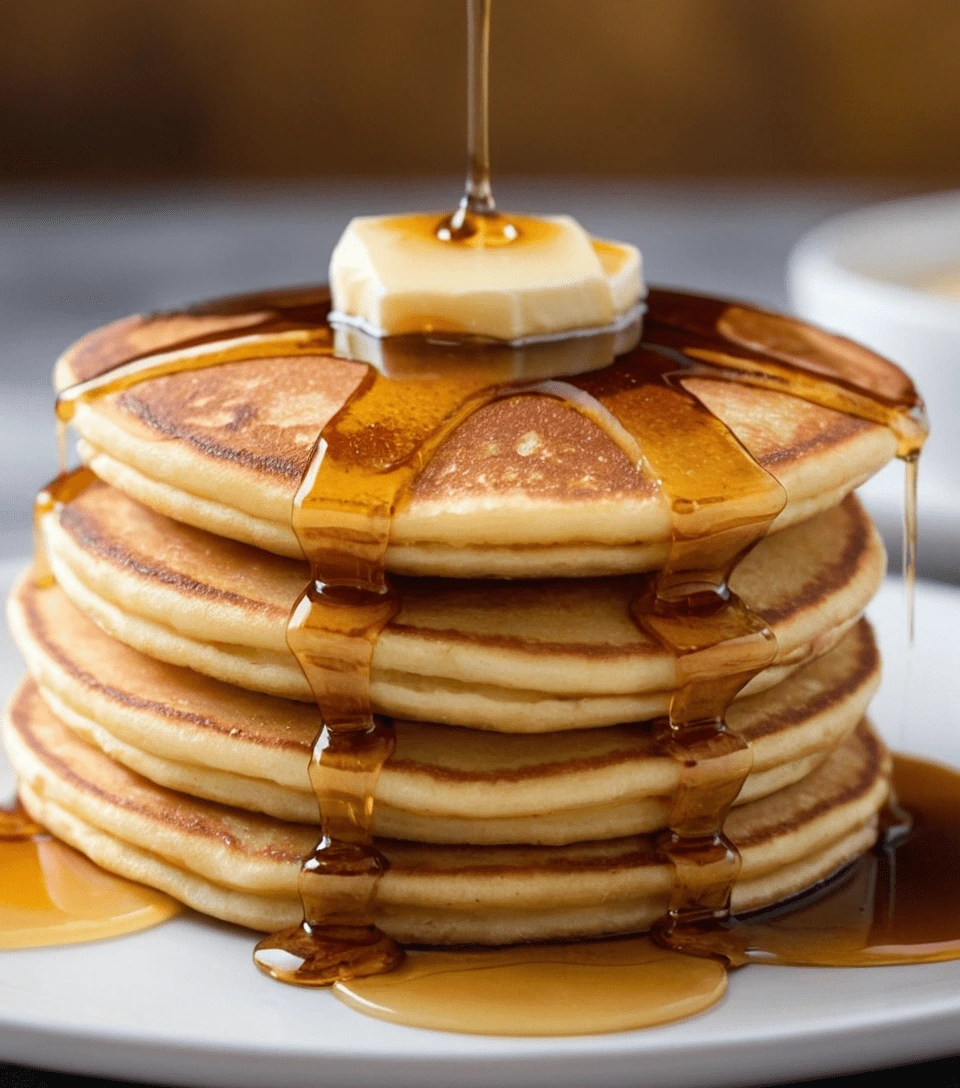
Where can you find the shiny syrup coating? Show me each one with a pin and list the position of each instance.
(898, 904)
(369, 455)
(372, 451)
(721, 504)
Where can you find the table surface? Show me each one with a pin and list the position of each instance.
(70, 261)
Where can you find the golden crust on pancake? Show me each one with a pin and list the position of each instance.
(131, 743)
(442, 784)
(508, 656)
(526, 487)
(244, 867)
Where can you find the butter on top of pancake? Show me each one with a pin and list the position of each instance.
(508, 278)
(523, 656)
(526, 487)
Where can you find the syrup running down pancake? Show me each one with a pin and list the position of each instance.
(441, 784)
(524, 488)
(426, 637)
(528, 656)
(244, 868)
(514, 657)
(369, 456)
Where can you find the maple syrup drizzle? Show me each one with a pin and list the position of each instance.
(777, 352)
(721, 504)
(900, 903)
(50, 894)
(246, 327)
(478, 195)
(772, 351)
(911, 469)
(275, 337)
(365, 459)
(372, 451)
(476, 220)
(718, 643)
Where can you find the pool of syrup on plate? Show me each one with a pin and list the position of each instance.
(890, 907)
(50, 894)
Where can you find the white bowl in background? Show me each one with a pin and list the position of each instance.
(861, 275)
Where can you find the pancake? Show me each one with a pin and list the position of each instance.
(244, 868)
(517, 657)
(443, 783)
(526, 487)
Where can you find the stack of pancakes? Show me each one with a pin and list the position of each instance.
(166, 729)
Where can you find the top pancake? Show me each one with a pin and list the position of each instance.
(526, 487)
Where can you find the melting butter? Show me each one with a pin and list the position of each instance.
(505, 277)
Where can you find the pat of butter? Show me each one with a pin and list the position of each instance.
(392, 275)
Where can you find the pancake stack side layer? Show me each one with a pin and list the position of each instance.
(166, 729)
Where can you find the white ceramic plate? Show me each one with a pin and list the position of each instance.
(182, 1004)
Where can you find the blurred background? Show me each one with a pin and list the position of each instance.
(107, 91)
(156, 152)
